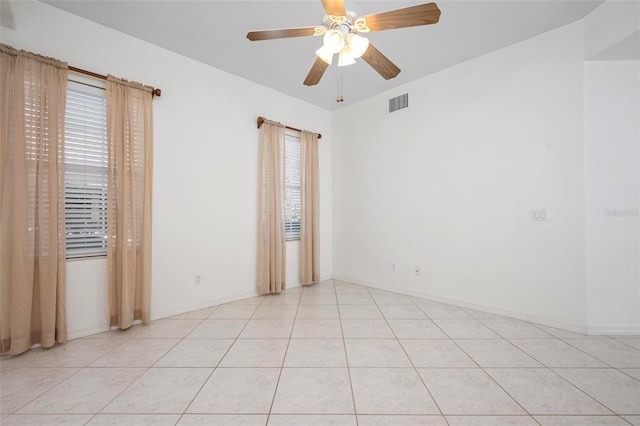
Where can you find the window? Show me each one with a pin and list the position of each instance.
(86, 159)
(292, 185)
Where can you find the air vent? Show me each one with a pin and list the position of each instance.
(398, 103)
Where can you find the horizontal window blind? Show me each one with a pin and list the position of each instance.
(86, 173)
(292, 186)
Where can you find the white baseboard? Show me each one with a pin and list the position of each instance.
(591, 330)
(219, 301)
(202, 305)
(76, 334)
(576, 328)
(214, 302)
(613, 330)
(298, 284)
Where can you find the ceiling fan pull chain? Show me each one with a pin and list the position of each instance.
(340, 98)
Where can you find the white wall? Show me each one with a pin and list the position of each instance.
(449, 184)
(610, 24)
(612, 165)
(205, 166)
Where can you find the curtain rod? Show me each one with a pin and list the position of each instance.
(154, 91)
(262, 120)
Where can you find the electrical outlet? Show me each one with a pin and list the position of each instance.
(394, 267)
(418, 271)
(196, 280)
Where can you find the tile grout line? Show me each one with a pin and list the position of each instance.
(14, 412)
(584, 392)
(408, 357)
(545, 368)
(552, 337)
(619, 339)
(293, 326)
(541, 365)
(80, 369)
(495, 381)
(610, 367)
(346, 357)
(490, 376)
(134, 380)
(479, 366)
(568, 342)
(221, 358)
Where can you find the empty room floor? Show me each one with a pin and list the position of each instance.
(333, 353)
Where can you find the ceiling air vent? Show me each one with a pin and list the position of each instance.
(398, 103)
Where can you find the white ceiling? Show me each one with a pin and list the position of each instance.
(214, 32)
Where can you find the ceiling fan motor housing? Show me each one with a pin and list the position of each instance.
(349, 23)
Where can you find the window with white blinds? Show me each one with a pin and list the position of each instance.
(292, 185)
(86, 171)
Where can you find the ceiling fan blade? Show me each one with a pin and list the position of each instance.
(282, 33)
(334, 7)
(380, 63)
(423, 14)
(315, 74)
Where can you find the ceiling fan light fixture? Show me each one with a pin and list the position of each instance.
(361, 26)
(358, 45)
(346, 57)
(325, 54)
(334, 40)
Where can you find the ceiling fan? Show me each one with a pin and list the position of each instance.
(342, 34)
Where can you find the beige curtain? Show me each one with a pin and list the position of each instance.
(309, 220)
(130, 139)
(271, 235)
(32, 237)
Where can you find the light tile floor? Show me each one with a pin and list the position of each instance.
(334, 353)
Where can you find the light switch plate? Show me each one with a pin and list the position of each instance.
(539, 215)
